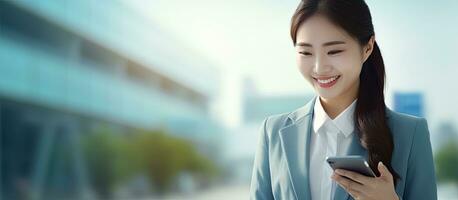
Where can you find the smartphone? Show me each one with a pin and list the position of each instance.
(352, 163)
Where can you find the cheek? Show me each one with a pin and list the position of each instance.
(350, 70)
(305, 68)
(349, 66)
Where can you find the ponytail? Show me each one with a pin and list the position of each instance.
(370, 114)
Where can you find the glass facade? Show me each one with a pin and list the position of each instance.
(71, 67)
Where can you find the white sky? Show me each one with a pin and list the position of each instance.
(251, 38)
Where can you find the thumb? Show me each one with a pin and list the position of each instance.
(384, 172)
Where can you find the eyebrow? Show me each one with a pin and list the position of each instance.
(303, 44)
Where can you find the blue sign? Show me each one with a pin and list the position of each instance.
(409, 103)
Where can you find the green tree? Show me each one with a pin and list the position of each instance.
(447, 163)
(114, 158)
(164, 156)
(101, 152)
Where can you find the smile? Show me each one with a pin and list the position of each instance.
(328, 82)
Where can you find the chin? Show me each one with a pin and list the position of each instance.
(327, 94)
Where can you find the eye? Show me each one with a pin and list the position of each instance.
(335, 52)
(305, 53)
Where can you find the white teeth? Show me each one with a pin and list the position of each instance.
(327, 80)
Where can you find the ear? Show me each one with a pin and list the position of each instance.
(368, 48)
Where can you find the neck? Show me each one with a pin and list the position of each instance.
(335, 106)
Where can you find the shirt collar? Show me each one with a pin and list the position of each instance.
(344, 122)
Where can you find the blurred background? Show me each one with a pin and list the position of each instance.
(163, 99)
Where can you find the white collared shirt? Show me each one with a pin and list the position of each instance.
(329, 138)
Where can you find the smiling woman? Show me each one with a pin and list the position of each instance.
(325, 53)
(336, 52)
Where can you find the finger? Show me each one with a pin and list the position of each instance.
(348, 184)
(355, 194)
(351, 190)
(384, 172)
(355, 176)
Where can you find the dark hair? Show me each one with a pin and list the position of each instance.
(354, 17)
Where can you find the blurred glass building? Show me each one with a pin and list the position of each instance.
(69, 66)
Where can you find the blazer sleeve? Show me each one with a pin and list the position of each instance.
(420, 177)
(260, 188)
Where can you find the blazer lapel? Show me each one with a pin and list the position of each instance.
(354, 149)
(295, 141)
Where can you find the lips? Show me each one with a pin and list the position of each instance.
(326, 82)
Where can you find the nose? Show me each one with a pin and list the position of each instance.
(321, 66)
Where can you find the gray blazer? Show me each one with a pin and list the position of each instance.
(281, 163)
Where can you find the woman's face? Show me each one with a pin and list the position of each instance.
(329, 58)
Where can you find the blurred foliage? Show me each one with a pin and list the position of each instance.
(447, 162)
(102, 150)
(164, 157)
(115, 158)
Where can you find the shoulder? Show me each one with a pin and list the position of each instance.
(274, 123)
(404, 122)
(407, 129)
